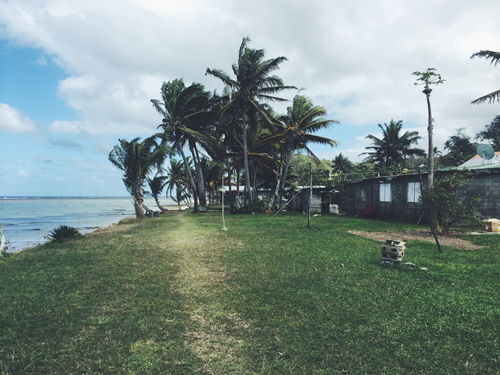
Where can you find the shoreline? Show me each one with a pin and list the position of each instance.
(27, 219)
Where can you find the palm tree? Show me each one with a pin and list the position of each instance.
(178, 177)
(212, 174)
(295, 128)
(341, 164)
(393, 148)
(180, 107)
(156, 186)
(137, 159)
(253, 82)
(181, 195)
(495, 59)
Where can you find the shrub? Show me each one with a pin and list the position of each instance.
(63, 232)
(256, 205)
(452, 205)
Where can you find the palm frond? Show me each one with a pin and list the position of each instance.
(488, 55)
(490, 98)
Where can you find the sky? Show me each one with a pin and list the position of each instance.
(75, 76)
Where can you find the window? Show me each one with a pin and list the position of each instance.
(362, 195)
(413, 192)
(385, 192)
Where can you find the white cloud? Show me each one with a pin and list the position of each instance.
(67, 127)
(22, 173)
(11, 119)
(354, 58)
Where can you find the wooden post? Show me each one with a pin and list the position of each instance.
(310, 196)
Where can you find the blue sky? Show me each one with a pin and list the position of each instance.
(76, 76)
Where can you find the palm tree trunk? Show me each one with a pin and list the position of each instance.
(430, 173)
(199, 178)
(191, 180)
(139, 200)
(254, 181)
(277, 188)
(285, 174)
(245, 154)
(237, 203)
(162, 209)
(229, 169)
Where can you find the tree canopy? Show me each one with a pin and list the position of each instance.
(393, 148)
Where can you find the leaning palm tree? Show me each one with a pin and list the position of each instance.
(253, 83)
(180, 106)
(495, 59)
(393, 148)
(137, 159)
(156, 186)
(295, 131)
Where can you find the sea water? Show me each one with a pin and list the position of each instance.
(27, 219)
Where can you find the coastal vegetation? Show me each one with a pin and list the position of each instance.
(175, 295)
(237, 136)
(239, 131)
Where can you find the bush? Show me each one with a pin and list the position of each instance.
(451, 206)
(63, 232)
(256, 205)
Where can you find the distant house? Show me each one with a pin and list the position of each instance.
(397, 197)
(320, 202)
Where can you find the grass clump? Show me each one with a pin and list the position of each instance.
(175, 295)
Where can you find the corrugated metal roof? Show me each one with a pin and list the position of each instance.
(478, 162)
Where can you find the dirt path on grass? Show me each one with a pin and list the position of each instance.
(420, 235)
(200, 280)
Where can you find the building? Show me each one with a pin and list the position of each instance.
(397, 197)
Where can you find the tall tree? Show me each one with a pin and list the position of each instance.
(460, 149)
(393, 148)
(295, 132)
(253, 83)
(181, 107)
(491, 133)
(137, 159)
(427, 78)
(495, 59)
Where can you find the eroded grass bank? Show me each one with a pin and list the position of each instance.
(175, 295)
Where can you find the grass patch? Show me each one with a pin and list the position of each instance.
(174, 295)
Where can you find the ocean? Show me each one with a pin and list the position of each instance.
(23, 217)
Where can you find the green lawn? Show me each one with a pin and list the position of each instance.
(174, 295)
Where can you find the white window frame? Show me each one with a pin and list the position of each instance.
(385, 192)
(413, 192)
